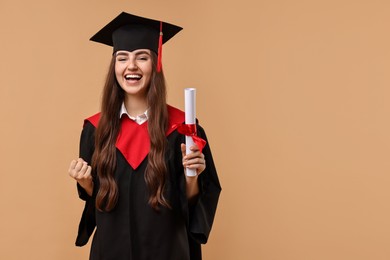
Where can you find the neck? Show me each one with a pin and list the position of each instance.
(135, 105)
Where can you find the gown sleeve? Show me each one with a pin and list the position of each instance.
(87, 222)
(202, 212)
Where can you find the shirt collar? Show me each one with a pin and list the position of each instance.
(140, 119)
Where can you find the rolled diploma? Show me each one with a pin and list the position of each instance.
(190, 108)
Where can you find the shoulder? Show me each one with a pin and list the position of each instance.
(94, 120)
(88, 135)
(175, 118)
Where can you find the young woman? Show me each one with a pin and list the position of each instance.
(131, 170)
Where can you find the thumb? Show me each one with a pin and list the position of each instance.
(183, 149)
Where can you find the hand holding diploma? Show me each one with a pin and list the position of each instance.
(193, 159)
(193, 162)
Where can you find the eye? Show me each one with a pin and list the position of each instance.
(121, 59)
(143, 58)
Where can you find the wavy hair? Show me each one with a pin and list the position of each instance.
(104, 157)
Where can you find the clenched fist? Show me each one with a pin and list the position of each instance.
(81, 172)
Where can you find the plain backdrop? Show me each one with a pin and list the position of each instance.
(294, 97)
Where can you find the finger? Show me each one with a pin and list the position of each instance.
(195, 163)
(82, 171)
(71, 170)
(79, 165)
(88, 172)
(72, 165)
(183, 149)
(198, 167)
(198, 160)
(194, 148)
(80, 160)
(193, 155)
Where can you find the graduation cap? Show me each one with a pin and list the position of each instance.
(130, 32)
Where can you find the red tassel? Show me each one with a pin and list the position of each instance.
(159, 55)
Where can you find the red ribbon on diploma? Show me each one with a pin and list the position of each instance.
(190, 130)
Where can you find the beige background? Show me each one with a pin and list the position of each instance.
(294, 96)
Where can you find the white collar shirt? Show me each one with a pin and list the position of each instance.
(140, 119)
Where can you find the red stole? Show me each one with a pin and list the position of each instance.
(133, 139)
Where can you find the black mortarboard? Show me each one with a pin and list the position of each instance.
(130, 32)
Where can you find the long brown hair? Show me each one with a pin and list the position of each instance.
(104, 157)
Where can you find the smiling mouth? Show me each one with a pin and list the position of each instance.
(135, 77)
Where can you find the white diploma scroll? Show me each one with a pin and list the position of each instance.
(190, 115)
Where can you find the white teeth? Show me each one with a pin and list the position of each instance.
(132, 76)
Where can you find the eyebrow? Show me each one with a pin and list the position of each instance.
(141, 52)
(136, 53)
(121, 53)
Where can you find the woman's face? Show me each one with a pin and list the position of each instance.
(133, 71)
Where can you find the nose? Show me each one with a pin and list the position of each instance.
(132, 65)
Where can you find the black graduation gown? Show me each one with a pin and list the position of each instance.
(133, 230)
